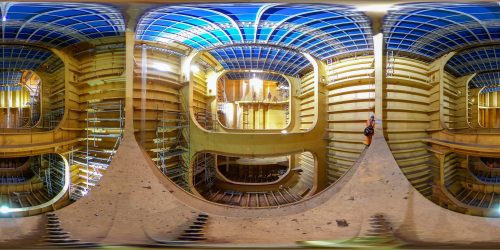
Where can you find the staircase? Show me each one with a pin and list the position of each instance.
(192, 234)
(380, 227)
(57, 237)
(195, 232)
(379, 234)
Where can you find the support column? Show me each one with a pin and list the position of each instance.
(378, 46)
(441, 158)
(441, 63)
(129, 83)
(467, 113)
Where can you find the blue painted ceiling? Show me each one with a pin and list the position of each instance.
(58, 24)
(476, 60)
(485, 80)
(236, 75)
(323, 31)
(19, 57)
(431, 30)
(11, 78)
(15, 59)
(260, 57)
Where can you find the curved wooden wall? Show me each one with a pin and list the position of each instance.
(411, 109)
(162, 93)
(351, 100)
(306, 98)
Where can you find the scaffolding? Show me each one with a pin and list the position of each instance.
(53, 174)
(30, 118)
(172, 146)
(50, 169)
(390, 61)
(245, 119)
(204, 171)
(104, 131)
(53, 117)
(287, 113)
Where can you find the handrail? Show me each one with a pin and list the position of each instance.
(228, 180)
(486, 169)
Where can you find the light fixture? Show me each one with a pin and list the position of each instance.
(283, 86)
(375, 7)
(284, 132)
(256, 71)
(4, 19)
(195, 68)
(4, 209)
(164, 40)
(160, 66)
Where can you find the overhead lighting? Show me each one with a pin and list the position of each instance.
(164, 40)
(195, 68)
(282, 86)
(375, 7)
(255, 81)
(4, 209)
(161, 66)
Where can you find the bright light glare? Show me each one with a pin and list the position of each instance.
(375, 7)
(256, 82)
(164, 40)
(256, 85)
(282, 86)
(4, 209)
(195, 68)
(161, 66)
(284, 131)
(4, 19)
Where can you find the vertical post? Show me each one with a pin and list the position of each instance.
(467, 99)
(378, 46)
(9, 103)
(441, 169)
(144, 78)
(129, 83)
(441, 63)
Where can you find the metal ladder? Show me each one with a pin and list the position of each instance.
(245, 122)
(390, 61)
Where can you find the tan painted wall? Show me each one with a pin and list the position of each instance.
(489, 110)
(351, 101)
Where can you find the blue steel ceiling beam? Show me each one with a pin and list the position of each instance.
(433, 29)
(278, 24)
(59, 24)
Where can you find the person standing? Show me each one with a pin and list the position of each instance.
(369, 130)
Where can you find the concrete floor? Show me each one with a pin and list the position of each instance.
(134, 205)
